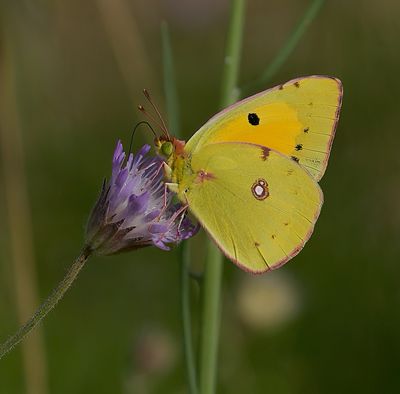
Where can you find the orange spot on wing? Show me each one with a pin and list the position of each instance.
(278, 128)
(203, 176)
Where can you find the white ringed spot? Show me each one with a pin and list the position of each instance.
(260, 189)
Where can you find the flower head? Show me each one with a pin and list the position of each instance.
(135, 209)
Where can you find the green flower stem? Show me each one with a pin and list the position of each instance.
(210, 319)
(184, 250)
(289, 46)
(48, 304)
(172, 104)
(214, 261)
(230, 75)
(170, 90)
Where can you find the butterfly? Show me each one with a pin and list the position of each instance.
(250, 174)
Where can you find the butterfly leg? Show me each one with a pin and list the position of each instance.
(171, 187)
(167, 170)
(158, 171)
(181, 211)
(165, 199)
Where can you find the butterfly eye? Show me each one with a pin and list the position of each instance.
(167, 148)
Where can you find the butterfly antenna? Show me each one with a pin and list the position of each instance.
(152, 118)
(134, 130)
(164, 126)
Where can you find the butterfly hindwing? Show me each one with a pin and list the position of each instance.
(257, 204)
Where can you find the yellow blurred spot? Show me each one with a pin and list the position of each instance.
(155, 352)
(269, 301)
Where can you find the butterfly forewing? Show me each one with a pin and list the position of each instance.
(297, 119)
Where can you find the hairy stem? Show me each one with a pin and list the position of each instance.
(214, 261)
(48, 304)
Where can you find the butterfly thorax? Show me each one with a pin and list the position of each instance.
(177, 160)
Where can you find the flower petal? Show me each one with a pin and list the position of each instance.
(152, 215)
(137, 204)
(158, 228)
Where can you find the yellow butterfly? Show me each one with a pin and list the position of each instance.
(250, 174)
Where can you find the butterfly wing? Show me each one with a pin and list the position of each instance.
(258, 205)
(297, 119)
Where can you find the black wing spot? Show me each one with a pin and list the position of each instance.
(273, 236)
(280, 87)
(253, 119)
(297, 84)
(306, 129)
(299, 147)
(296, 159)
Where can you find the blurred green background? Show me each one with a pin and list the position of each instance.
(71, 77)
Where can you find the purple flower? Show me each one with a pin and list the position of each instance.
(134, 208)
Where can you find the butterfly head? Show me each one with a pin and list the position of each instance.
(169, 147)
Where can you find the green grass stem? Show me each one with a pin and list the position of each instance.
(286, 49)
(172, 103)
(214, 261)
